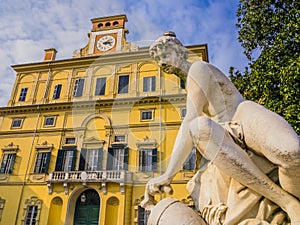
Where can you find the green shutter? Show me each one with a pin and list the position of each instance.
(99, 163)
(59, 160)
(126, 157)
(110, 156)
(82, 159)
(74, 159)
(48, 157)
(153, 82)
(154, 159)
(12, 162)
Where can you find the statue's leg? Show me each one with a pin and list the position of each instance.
(270, 135)
(215, 144)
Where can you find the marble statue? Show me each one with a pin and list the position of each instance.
(252, 174)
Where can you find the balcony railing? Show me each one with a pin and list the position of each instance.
(84, 177)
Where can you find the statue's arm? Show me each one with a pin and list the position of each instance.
(184, 143)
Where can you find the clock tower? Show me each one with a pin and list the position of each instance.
(108, 35)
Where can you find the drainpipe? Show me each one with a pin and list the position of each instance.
(28, 163)
(32, 142)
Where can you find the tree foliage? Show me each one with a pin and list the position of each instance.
(271, 28)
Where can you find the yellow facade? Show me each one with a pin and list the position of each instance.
(80, 137)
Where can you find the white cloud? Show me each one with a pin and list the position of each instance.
(30, 26)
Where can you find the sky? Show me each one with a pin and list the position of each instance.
(27, 27)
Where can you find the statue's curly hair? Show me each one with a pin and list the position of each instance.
(167, 41)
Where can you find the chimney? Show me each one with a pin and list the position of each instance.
(50, 54)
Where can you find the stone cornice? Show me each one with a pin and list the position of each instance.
(141, 55)
(105, 103)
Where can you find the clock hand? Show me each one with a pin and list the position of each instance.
(107, 42)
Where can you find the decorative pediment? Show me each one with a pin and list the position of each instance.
(11, 147)
(45, 145)
(146, 143)
(93, 141)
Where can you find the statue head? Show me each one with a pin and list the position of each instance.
(169, 53)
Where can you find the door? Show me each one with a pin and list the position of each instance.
(87, 208)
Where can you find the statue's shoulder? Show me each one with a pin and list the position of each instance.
(200, 70)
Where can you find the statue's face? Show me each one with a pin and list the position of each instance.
(167, 59)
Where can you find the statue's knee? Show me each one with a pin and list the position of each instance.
(290, 154)
(200, 128)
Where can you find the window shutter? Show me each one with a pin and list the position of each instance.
(145, 84)
(59, 160)
(74, 159)
(3, 164)
(100, 86)
(153, 83)
(141, 213)
(80, 87)
(123, 84)
(13, 158)
(48, 156)
(99, 163)
(126, 157)
(82, 159)
(38, 162)
(110, 156)
(154, 159)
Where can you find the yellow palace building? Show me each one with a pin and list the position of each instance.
(80, 137)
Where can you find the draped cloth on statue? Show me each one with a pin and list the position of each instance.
(221, 200)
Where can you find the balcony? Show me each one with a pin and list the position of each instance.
(84, 177)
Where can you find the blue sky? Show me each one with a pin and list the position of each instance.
(30, 26)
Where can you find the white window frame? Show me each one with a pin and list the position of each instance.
(92, 159)
(120, 138)
(9, 158)
(78, 84)
(182, 113)
(47, 118)
(37, 204)
(123, 89)
(69, 139)
(142, 112)
(23, 94)
(57, 88)
(149, 84)
(17, 119)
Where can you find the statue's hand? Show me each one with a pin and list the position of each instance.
(155, 185)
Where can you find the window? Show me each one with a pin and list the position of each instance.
(57, 90)
(149, 84)
(2, 203)
(16, 123)
(147, 115)
(120, 138)
(182, 83)
(182, 113)
(123, 84)
(190, 162)
(23, 94)
(78, 87)
(148, 160)
(31, 212)
(49, 121)
(70, 141)
(66, 159)
(7, 163)
(42, 162)
(143, 216)
(90, 159)
(31, 215)
(100, 86)
(117, 158)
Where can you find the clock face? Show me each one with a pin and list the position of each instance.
(106, 43)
